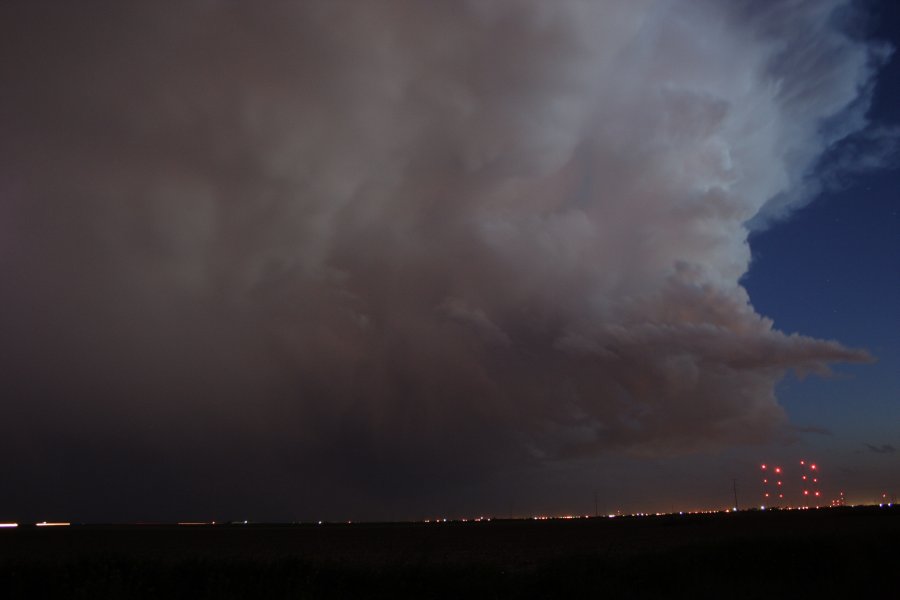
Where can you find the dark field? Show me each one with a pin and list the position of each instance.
(850, 552)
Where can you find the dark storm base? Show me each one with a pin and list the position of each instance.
(745, 555)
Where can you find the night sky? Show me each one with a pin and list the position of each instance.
(399, 259)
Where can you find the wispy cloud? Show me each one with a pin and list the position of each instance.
(881, 449)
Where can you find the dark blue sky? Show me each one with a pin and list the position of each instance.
(832, 270)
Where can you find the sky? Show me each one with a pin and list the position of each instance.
(399, 260)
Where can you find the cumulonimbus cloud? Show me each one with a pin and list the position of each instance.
(439, 231)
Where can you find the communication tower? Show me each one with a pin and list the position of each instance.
(810, 487)
(772, 486)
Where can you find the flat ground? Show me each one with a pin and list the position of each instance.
(800, 554)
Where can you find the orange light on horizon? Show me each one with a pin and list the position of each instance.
(51, 524)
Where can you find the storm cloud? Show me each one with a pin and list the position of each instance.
(375, 239)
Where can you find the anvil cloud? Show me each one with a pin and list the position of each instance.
(382, 237)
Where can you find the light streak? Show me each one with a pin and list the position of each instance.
(51, 524)
(9, 525)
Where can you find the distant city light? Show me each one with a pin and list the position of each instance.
(57, 524)
(9, 525)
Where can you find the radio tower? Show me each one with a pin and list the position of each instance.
(809, 484)
(773, 486)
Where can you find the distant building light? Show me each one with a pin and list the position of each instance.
(8, 525)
